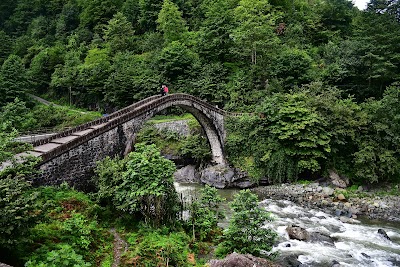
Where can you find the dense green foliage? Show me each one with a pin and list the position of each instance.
(193, 147)
(94, 50)
(18, 207)
(205, 213)
(313, 129)
(157, 247)
(246, 232)
(140, 183)
(17, 115)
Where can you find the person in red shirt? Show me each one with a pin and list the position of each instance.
(164, 90)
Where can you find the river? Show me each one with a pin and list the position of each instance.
(354, 244)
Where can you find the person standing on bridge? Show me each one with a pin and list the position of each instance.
(164, 90)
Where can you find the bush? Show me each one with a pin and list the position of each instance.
(157, 247)
(63, 256)
(247, 232)
(204, 213)
(19, 211)
(142, 182)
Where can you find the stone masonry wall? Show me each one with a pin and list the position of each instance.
(76, 166)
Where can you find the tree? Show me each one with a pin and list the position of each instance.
(293, 67)
(13, 80)
(246, 232)
(149, 10)
(5, 46)
(17, 205)
(131, 79)
(118, 34)
(65, 76)
(254, 35)
(97, 12)
(43, 65)
(205, 213)
(377, 157)
(141, 183)
(17, 116)
(176, 63)
(171, 23)
(213, 40)
(6, 139)
(92, 75)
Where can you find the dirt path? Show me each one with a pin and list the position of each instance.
(120, 246)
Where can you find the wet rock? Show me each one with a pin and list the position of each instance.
(242, 184)
(321, 237)
(365, 255)
(240, 260)
(218, 176)
(338, 212)
(289, 261)
(344, 219)
(298, 233)
(383, 233)
(187, 174)
(338, 181)
(335, 263)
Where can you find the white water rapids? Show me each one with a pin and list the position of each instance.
(357, 244)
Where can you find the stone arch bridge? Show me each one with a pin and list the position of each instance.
(71, 155)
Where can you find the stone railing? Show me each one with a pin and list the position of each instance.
(117, 118)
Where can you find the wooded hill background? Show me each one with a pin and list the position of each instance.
(321, 71)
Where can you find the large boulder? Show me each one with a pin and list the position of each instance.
(338, 181)
(187, 174)
(296, 232)
(318, 237)
(289, 261)
(240, 260)
(219, 176)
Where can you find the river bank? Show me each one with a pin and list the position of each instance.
(343, 203)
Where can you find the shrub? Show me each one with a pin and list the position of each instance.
(205, 213)
(63, 256)
(18, 210)
(142, 182)
(247, 232)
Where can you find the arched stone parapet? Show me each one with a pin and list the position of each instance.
(72, 155)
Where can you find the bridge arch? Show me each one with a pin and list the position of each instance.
(72, 155)
(211, 121)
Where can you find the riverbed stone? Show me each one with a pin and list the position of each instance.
(321, 237)
(289, 261)
(187, 174)
(219, 176)
(298, 233)
(338, 181)
(328, 191)
(241, 260)
(341, 197)
(383, 233)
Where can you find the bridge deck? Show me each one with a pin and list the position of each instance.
(54, 144)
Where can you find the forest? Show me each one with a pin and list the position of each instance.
(317, 81)
(323, 75)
